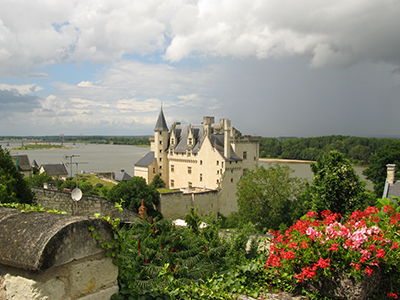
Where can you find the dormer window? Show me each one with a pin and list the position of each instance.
(172, 141)
(190, 141)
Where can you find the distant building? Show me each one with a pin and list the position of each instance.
(56, 171)
(392, 186)
(23, 165)
(196, 158)
(122, 176)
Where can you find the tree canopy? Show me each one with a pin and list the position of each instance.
(13, 187)
(265, 196)
(133, 192)
(377, 170)
(336, 185)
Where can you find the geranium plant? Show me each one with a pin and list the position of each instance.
(322, 248)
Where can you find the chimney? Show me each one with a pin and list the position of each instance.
(227, 138)
(207, 122)
(390, 173)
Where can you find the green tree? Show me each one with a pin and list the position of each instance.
(157, 182)
(37, 180)
(13, 188)
(336, 186)
(377, 170)
(133, 192)
(265, 196)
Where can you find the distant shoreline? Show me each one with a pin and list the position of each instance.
(280, 160)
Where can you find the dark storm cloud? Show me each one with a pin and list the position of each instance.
(13, 101)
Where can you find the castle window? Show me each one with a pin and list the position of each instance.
(189, 184)
(255, 158)
(190, 141)
(160, 142)
(160, 132)
(222, 164)
(201, 162)
(172, 168)
(217, 181)
(160, 151)
(189, 170)
(217, 172)
(231, 179)
(160, 167)
(172, 141)
(217, 162)
(244, 154)
(160, 158)
(201, 177)
(231, 170)
(154, 170)
(172, 183)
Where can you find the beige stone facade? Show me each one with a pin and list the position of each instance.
(199, 158)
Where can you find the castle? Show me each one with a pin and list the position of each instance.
(199, 158)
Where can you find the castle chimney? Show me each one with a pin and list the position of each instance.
(227, 138)
(207, 122)
(390, 173)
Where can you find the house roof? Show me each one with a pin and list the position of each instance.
(55, 169)
(122, 176)
(146, 160)
(161, 124)
(392, 190)
(22, 162)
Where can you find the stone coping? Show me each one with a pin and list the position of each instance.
(40, 240)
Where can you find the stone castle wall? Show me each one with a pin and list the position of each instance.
(87, 206)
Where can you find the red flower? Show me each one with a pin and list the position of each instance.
(368, 271)
(380, 253)
(146, 260)
(162, 247)
(323, 263)
(304, 245)
(392, 295)
(172, 250)
(334, 247)
(151, 221)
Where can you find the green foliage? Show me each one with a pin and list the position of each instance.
(37, 180)
(377, 171)
(357, 149)
(132, 192)
(265, 196)
(13, 188)
(336, 186)
(157, 182)
(24, 207)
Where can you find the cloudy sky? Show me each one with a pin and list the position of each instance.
(274, 67)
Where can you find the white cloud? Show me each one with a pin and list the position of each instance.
(21, 89)
(340, 32)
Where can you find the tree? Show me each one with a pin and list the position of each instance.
(13, 188)
(377, 170)
(133, 192)
(265, 196)
(37, 180)
(157, 182)
(336, 186)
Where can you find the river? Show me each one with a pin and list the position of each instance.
(114, 158)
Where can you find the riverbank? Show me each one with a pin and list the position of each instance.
(280, 160)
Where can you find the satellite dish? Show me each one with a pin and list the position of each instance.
(76, 194)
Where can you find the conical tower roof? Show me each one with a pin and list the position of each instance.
(161, 124)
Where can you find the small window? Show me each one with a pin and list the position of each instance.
(201, 177)
(255, 158)
(231, 170)
(189, 184)
(217, 172)
(244, 154)
(172, 183)
(217, 181)
(188, 153)
(189, 170)
(231, 179)
(190, 141)
(160, 151)
(172, 141)
(160, 142)
(160, 167)
(201, 162)
(217, 162)
(154, 170)
(160, 158)
(172, 168)
(222, 164)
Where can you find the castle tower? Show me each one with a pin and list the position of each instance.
(161, 140)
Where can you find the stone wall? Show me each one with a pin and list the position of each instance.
(87, 206)
(177, 205)
(52, 256)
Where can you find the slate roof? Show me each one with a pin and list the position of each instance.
(391, 190)
(146, 160)
(55, 169)
(23, 162)
(161, 124)
(122, 176)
